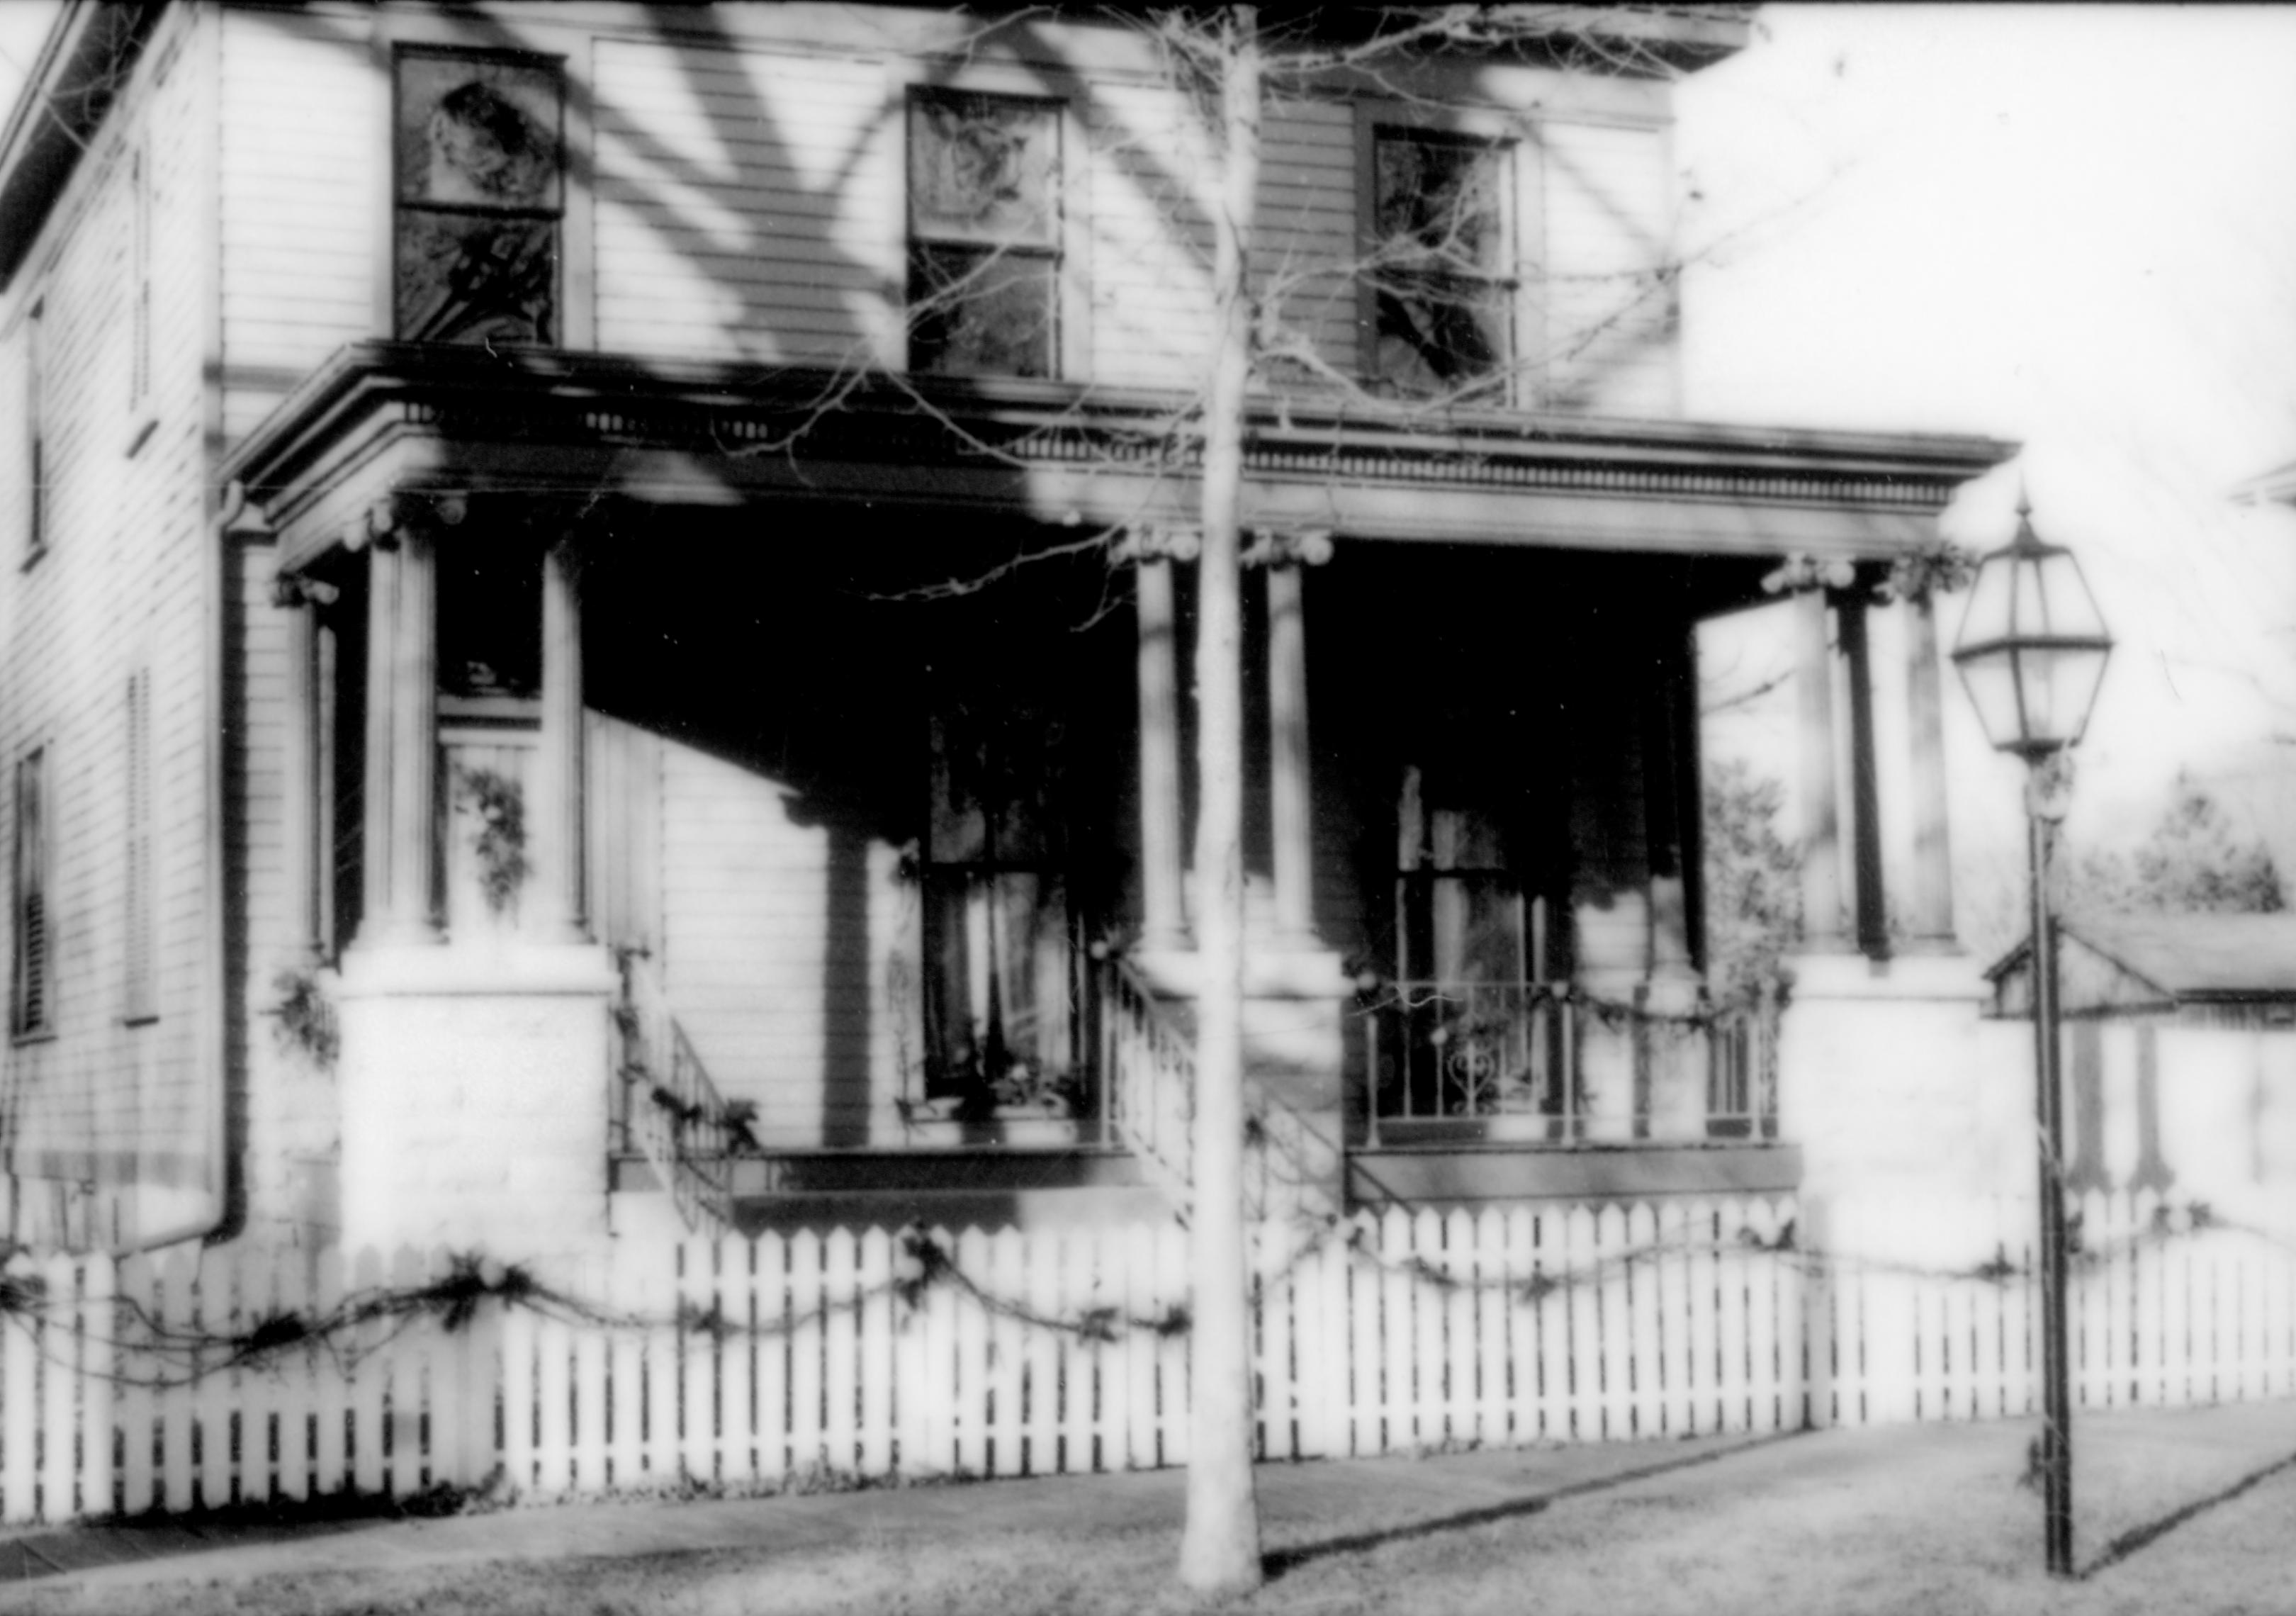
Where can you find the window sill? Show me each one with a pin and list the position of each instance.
(38, 1035)
(148, 1018)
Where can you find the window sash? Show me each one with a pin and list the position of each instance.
(480, 197)
(985, 226)
(1443, 273)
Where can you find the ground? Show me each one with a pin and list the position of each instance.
(2189, 1511)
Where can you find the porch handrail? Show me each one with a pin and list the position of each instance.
(1149, 1065)
(671, 1112)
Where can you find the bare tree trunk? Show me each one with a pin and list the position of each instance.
(1219, 1552)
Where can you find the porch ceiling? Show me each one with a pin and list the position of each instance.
(381, 420)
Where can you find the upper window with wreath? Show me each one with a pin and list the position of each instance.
(480, 197)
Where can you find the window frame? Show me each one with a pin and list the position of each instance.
(37, 512)
(32, 977)
(567, 328)
(1070, 345)
(1520, 375)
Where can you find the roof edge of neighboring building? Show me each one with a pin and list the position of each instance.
(73, 81)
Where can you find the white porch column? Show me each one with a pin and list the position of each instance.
(402, 728)
(1930, 918)
(1869, 903)
(559, 914)
(1289, 798)
(305, 769)
(1821, 834)
(1162, 925)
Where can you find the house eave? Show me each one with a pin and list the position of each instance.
(383, 419)
(73, 81)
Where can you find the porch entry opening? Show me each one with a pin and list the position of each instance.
(1478, 1028)
(1003, 941)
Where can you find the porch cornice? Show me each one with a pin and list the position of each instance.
(380, 418)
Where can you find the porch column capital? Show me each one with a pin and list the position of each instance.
(1276, 549)
(1159, 543)
(292, 590)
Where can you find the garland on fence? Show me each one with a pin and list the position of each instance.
(368, 1319)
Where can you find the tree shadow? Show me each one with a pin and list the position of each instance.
(2140, 1538)
(1282, 1561)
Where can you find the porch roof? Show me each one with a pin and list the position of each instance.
(382, 420)
(2134, 965)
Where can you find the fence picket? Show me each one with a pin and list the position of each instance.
(625, 1354)
(1489, 1360)
(1429, 1395)
(215, 1396)
(135, 1406)
(1769, 1372)
(768, 1308)
(1365, 1280)
(1132, 1385)
(593, 1438)
(878, 1389)
(970, 1403)
(808, 1337)
(1638, 1291)
(840, 1369)
(1082, 1285)
(1548, 1324)
(1037, 1287)
(734, 1283)
(1173, 1289)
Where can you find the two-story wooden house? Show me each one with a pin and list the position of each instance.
(598, 596)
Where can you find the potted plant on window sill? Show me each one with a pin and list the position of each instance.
(1024, 1108)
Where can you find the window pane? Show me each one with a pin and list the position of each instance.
(1437, 334)
(980, 312)
(476, 132)
(1000, 1003)
(476, 278)
(984, 168)
(1441, 205)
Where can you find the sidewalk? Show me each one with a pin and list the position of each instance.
(1451, 1488)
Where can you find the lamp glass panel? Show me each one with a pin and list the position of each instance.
(1990, 677)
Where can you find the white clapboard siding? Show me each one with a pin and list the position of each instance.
(302, 162)
(1150, 253)
(749, 204)
(850, 1356)
(1609, 316)
(752, 918)
(1308, 224)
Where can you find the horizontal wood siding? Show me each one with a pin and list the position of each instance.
(1309, 226)
(749, 204)
(1149, 251)
(781, 939)
(1612, 308)
(120, 589)
(302, 193)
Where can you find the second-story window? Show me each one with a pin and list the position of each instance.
(1442, 270)
(984, 234)
(480, 192)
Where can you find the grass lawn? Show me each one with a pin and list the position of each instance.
(2201, 1506)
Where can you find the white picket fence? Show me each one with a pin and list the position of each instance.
(199, 1380)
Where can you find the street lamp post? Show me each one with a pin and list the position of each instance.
(2031, 651)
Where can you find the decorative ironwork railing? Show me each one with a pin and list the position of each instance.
(669, 1111)
(1520, 1060)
